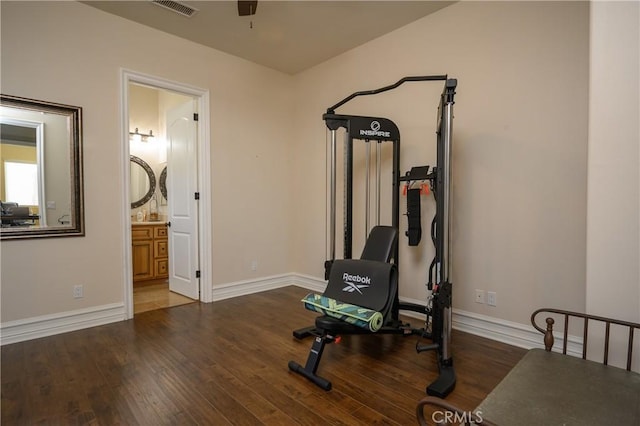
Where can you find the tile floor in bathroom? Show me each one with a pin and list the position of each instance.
(156, 295)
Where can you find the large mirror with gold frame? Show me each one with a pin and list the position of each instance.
(41, 183)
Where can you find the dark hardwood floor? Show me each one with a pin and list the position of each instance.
(226, 363)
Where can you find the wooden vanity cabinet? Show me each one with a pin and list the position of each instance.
(150, 251)
(160, 252)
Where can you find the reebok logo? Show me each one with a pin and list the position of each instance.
(355, 282)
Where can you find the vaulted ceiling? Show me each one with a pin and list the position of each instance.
(289, 36)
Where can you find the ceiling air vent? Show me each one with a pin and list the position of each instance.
(180, 8)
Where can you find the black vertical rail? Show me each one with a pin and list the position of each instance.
(565, 334)
(395, 201)
(585, 335)
(442, 294)
(348, 195)
(437, 315)
(395, 216)
(605, 361)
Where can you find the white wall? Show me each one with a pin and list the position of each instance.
(613, 219)
(71, 53)
(520, 155)
(520, 146)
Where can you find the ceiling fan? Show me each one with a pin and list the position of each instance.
(247, 8)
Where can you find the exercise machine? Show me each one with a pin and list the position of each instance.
(370, 284)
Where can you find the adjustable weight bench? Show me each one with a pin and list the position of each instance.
(354, 286)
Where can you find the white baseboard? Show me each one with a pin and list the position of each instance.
(48, 325)
(307, 281)
(511, 333)
(242, 288)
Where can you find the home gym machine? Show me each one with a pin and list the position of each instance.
(348, 304)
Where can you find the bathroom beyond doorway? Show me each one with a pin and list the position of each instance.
(155, 294)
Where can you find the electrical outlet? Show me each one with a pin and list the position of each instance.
(77, 292)
(491, 298)
(254, 265)
(479, 296)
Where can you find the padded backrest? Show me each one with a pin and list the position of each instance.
(380, 244)
(365, 283)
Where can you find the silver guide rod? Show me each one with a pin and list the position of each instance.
(447, 192)
(378, 176)
(367, 188)
(332, 196)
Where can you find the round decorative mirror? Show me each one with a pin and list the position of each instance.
(143, 182)
(163, 182)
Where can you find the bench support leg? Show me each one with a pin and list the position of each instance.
(313, 360)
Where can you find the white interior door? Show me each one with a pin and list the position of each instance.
(182, 179)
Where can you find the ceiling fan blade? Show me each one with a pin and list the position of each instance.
(247, 8)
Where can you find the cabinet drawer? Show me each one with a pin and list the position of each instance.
(141, 233)
(160, 248)
(161, 268)
(160, 231)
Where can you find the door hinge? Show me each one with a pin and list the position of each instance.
(197, 195)
(195, 116)
(197, 274)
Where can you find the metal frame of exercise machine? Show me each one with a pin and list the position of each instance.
(382, 130)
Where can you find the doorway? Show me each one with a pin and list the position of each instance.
(166, 238)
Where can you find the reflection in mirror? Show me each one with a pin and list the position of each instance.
(163, 183)
(143, 182)
(41, 188)
(22, 170)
